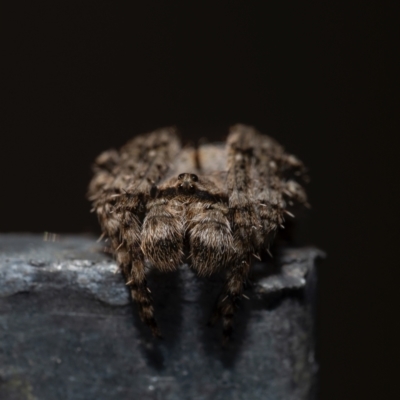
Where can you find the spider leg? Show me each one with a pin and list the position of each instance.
(295, 192)
(119, 192)
(245, 221)
(255, 182)
(122, 227)
(272, 165)
(270, 161)
(272, 209)
(269, 198)
(104, 167)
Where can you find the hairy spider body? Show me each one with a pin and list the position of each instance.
(155, 199)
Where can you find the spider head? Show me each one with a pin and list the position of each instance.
(186, 182)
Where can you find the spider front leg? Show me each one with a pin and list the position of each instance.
(246, 229)
(123, 228)
(245, 220)
(133, 269)
(230, 297)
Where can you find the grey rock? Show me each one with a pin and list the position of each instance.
(68, 328)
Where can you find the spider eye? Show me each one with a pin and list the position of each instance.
(194, 177)
(181, 176)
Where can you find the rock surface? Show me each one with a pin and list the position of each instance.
(68, 329)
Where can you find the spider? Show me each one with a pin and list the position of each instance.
(220, 205)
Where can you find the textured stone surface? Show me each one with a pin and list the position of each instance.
(68, 329)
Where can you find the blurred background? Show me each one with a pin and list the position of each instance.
(82, 77)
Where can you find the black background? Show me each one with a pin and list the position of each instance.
(318, 76)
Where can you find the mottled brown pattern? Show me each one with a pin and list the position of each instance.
(219, 205)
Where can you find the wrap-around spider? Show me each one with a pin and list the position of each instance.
(221, 205)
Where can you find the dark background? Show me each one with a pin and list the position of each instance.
(318, 76)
